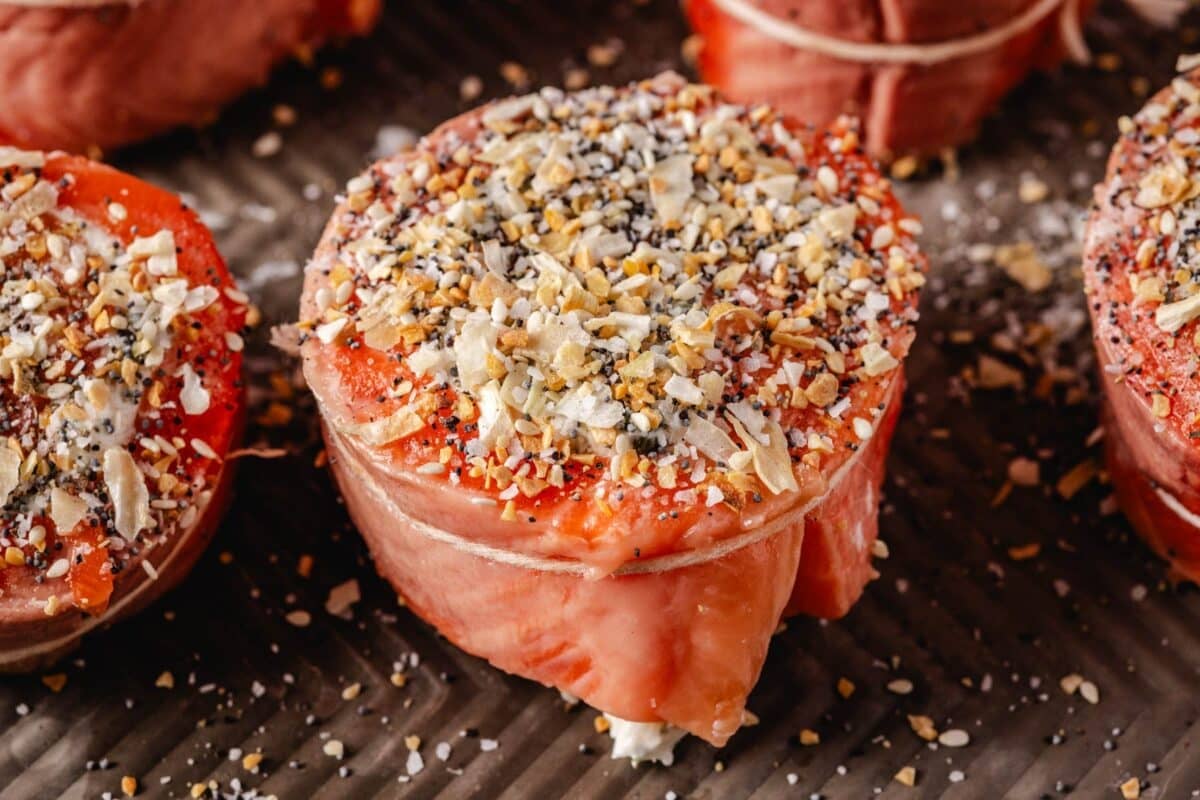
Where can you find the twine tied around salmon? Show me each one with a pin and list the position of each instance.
(514, 558)
(1160, 12)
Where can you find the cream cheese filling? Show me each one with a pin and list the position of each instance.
(641, 742)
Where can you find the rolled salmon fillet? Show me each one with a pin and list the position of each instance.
(120, 360)
(921, 74)
(80, 74)
(607, 381)
(1140, 252)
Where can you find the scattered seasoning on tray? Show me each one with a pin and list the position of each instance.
(1012, 349)
(515, 74)
(470, 88)
(955, 737)
(605, 54)
(55, 682)
(907, 776)
(299, 618)
(267, 145)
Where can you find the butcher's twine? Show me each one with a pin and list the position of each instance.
(925, 54)
(514, 558)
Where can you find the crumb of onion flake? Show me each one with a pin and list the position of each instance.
(299, 618)
(55, 682)
(922, 726)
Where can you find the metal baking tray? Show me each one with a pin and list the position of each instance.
(988, 600)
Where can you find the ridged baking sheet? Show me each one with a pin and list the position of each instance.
(985, 604)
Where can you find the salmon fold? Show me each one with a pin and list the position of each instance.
(82, 75)
(908, 106)
(608, 379)
(120, 380)
(1140, 257)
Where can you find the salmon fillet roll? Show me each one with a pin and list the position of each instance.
(921, 74)
(1140, 253)
(80, 74)
(120, 361)
(607, 381)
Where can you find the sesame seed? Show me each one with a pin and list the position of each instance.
(955, 737)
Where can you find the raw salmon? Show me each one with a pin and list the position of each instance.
(120, 360)
(608, 379)
(76, 74)
(1140, 254)
(905, 108)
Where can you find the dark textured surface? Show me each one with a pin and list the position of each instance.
(954, 612)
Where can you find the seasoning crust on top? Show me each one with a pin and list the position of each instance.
(1145, 247)
(99, 383)
(633, 287)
